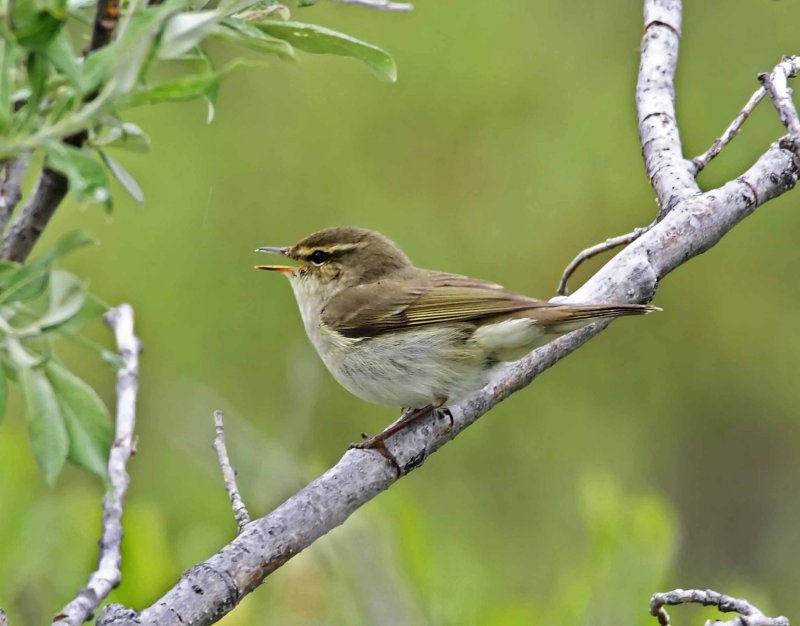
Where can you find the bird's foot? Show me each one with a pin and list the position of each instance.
(444, 411)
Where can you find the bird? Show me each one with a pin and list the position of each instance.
(395, 334)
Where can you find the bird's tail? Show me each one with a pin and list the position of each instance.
(599, 311)
(566, 318)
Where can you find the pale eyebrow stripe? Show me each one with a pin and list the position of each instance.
(339, 247)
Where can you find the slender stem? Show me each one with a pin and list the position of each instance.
(592, 251)
(107, 575)
(240, 512)
(730, 133)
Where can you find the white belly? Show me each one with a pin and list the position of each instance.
(406, 369)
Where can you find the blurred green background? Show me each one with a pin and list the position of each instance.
(663, 454)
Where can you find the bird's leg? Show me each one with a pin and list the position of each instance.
(377, 441)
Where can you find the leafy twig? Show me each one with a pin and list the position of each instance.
(108, 576)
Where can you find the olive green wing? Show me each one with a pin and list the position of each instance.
(384, 306)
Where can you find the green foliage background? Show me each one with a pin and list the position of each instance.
(663, 454)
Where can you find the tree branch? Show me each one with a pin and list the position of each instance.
(11, 187)
(776, 85)
(690, 223)
(748, 614)
(105, 22)
(240, 512)
(669, 173)
(108, 576)
(50, 190)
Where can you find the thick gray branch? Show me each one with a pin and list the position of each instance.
(107, 576)
(670, 174)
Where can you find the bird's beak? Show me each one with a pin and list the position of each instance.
(275, 268)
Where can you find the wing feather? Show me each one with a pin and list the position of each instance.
(384, 306)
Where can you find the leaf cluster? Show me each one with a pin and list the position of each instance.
(66, 418)
(49, 92)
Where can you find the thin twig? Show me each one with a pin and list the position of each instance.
(588, 253)
(730, 133)
(381, 5)
(240, 513)
(776, 84)
(11, 187)
(108, 575)
(748, 614)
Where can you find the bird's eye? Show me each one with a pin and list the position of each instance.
(318, 257)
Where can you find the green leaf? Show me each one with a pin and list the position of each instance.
(244, 33)
(186, 30)
(3, 391)
(186, 88)
(60, 53)
(121, 63)
(24, 284)
(30, 280)
(87, 420)
(46, 426)
(124, 178)
(92, 309)
(35, 23)
(86, 176)
(66, 299)
(320, 40)
(37, 67)
(97, 67)
(6, 84)
(126, 136)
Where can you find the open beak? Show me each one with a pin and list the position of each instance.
(275, 268)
